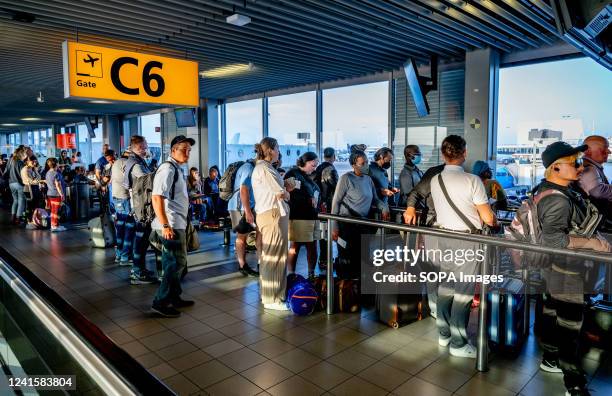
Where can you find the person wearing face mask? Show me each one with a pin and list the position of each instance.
(355, 196)
(136, 167)
(14, 167)
(303, 214)
(31, 182)
(383, 158)
(410, 175)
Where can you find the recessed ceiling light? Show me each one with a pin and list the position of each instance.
(10, 124)
(66, 111)
(238, 20)
(100, 101)
(31, 119)
(229, 70)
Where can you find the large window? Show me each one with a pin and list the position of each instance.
(445, 118)
(354, 115)
(542, 103)
(150, 126)
(292, 121)
(243, 129)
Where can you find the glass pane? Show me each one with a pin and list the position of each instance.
(292, 121)
(357, 114)
(244, 129)
(445, 118)
(151, 130)
(96, 143)
(541, 103)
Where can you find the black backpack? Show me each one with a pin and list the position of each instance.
(142, 195)
(227, 182)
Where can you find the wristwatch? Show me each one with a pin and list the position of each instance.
(166, 225)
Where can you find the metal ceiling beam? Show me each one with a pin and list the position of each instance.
(389, 32)
(402, 7)
(475, 12)
(533, 17)
(311, 24)
(514, 19)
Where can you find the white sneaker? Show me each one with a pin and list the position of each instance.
(277, 306)
(444, 341)
(58, 229)
(467, 351)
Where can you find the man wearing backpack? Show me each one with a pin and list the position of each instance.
(124, 222)
(326, 177)
(461, 204)
(562, 212)
(136, 167)
(240, 208)
(171, 205)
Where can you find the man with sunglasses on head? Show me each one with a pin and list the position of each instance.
(563, 215)
(594, 184)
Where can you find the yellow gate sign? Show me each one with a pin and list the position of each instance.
(94, 72)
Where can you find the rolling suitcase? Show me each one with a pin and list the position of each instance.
(102, 231)
(396, 310)
(507, 326)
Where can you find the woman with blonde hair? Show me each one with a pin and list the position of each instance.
(272, 223)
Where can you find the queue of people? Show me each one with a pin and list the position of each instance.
(281, 210)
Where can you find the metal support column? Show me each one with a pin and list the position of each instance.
(330, 270)
(482, 341)
(265, 117)
(319, 122)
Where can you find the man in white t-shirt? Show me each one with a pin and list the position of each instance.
(461, 204)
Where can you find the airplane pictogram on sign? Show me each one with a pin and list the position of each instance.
(89, 64)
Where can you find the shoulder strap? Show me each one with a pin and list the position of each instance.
(463, 218)
(174, 179)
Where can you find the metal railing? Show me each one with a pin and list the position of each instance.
(482, 339)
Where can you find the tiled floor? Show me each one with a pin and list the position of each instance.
(229, 345)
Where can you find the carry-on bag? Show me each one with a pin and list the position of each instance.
(507, 326)
(102, 231)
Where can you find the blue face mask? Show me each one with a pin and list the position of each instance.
(416, 160)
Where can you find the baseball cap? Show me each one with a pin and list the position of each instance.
(558, 150)
(181, 139)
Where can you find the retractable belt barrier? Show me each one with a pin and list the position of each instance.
(482, 339)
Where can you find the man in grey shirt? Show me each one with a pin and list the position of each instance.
(171, 205)
(136, 167)
(124, 222)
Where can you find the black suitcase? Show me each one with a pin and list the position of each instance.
(396, 310)
(507, 326)
(102, 231)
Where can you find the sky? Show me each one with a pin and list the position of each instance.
(555, 95)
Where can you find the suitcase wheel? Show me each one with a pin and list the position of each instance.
(395, 325)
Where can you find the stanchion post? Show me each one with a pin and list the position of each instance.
(330, 269)
(482, 358)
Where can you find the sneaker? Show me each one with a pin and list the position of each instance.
(466, 351)
(248, 271)
(550, 366)
(58, 229)
(30, 226)
(577, 391)
(277, 306)
(444, 341)
(142, 279)
(180, 303)
(124, 263)
(165, 311)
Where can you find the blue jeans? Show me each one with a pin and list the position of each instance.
(124, 226)
(141, 244)
(19, 201)
(174, 260)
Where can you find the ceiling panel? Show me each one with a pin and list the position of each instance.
(290, 43)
